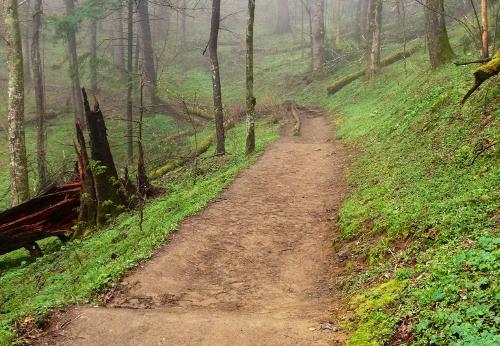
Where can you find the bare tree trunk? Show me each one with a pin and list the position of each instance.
(130, 80)
(250, 98)
(484, 28)
(363, 18)
(216, 86)
(147, 50)
(144, 188)
(118, 42)
(317, 33)
(183, 25)
(19, 186)
(73, 64)
(374, 31)
(440, 51)
(36, 63)
(337, 16)
(25, 28)
(87, 212)
(283, 17)
(93, 57)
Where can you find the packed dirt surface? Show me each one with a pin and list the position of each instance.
(253, 268)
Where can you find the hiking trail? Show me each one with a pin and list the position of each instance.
(255, 267)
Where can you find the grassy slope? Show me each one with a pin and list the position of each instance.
(415, 184)
(75, 272)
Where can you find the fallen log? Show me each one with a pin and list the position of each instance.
(173, 164)
(335, 87)
(197, 151)
(176, 135)
(51, 214)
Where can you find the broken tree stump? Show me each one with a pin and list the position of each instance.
(109, 192)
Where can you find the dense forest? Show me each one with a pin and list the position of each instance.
(292, 172)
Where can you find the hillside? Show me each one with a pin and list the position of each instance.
(421, 222)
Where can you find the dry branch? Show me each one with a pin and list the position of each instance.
(483, 73)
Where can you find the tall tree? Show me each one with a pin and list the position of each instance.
(36, 63)
(118, 41)
(19, 186)
(70, 24)
(361, 26)
(374, 33)
(283, 17)
(93, 56)
(25, 38)
(337, 15)
(317, 33)
(439, 47)
(216, 86)
(130, 80)
(183, 25)
(250, 98)
(484, 28)
(147, 50)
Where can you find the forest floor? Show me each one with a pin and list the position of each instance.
(254, 267)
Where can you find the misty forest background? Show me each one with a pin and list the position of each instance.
(422, 216)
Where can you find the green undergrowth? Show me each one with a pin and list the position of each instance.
(423, 213)
(425, 200)
(75, 272)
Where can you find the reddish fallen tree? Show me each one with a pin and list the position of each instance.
(68, 211)
(51, 214)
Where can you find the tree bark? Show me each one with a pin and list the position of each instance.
(107, 185)
(118, 42)
(25, 27)
(87, 212)
(362, 26)
(337, 16)
(484, 28)
(144, 188)
(183, 25)
(73, 64)
(93, 57)
(439, 47)
(317, 33)
(374, 32)
(52, 214)
(216, 85)
(283, 17)
(250, 98)
(19, 186)
(36, 63)
(147, 50)
(130, 81)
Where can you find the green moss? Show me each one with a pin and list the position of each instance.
(372, 325)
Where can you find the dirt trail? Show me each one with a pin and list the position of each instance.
(253, 268)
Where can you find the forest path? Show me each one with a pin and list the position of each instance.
(253, 268)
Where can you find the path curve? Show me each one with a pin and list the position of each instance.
(253, 268)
